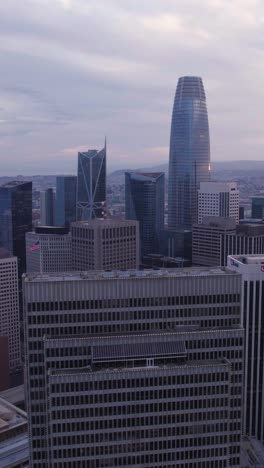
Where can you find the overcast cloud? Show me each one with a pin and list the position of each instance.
(73, 71)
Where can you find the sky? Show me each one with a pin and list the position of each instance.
(75, 71)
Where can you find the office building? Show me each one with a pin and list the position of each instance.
(217, 237)
(144, 194)
(16, 218)
(189, 163)
(176, 243)
(49, 249)
(66, 187)
(9, 309)
(257, 207)
(251, 267)
(105, 244)
(91, 184)
(218, 199)
(134, 368)
(14, 449)
(47, 207)
(4, 364)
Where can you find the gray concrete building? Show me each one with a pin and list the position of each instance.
(217, 237)
(134, 368)
(105, 244)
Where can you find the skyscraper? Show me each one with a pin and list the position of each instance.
(91, 184)
(189, 151)
(47, 207)
(134, 368)
(66, 187)
(145, 203)
(16, 218)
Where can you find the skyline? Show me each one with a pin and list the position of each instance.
(62, 90)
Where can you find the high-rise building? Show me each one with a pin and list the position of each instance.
(134, 369)
(257, 207)
(145, 203)
(16, 218)
(66, 187)
(47, 207)
(218, 199)
(105, 244)
(251, 267)
(49, 249)
(91, 184)
(9, 309)
(217, 237)
(189, 163)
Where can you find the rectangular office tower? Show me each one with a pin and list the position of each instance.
(66, 187)
(9, 309)
(47, 207)
(105, 244)
(49, 249)
(134, 369)
(218, 199)
(16, 218)
(145, 203)
(251, 267)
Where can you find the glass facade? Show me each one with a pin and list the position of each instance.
(145, 203)
(16, 219)
(257, 207)
(189, 151)
(65, 200)
(91, 184)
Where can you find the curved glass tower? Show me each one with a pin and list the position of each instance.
(189, 151)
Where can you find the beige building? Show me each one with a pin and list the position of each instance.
(105, 244)
(9, 308)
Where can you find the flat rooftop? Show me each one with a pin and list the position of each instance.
(11, 416)
(128, 274)
(104, 222)
(14, 451)
(14, 395)
(249, 259)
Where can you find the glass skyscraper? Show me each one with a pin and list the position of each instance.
(66, 187)
(189, 151)
(91, 184)
(16, 219)
(145, 203)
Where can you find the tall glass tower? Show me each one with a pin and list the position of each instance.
(145, 203)
(189, 151)
(91, 184)
(66, 187)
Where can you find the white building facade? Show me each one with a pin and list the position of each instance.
(9, 309)
(218, 199)
(251, 267)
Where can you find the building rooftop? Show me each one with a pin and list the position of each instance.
(248, 259)
(104, 222)
(14, 395)
(252, 453)
(14, 451)
(128, 274)
(10, 417)
(15, 183)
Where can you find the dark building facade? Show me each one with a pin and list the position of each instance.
(189, 162)
(16, 218)
(257, 208)
(91, 184)
(47, 207)
(145, 203)
(66, 187)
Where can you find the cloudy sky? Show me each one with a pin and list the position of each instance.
(73, 71)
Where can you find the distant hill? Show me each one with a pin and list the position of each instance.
(220, 169)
